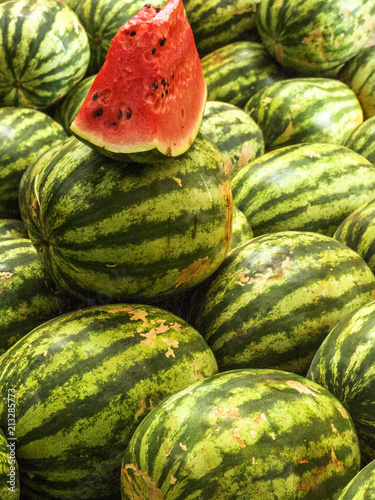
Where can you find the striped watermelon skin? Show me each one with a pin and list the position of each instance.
(72, 4)
(235, 72)
(12, 228)
(362, 486)
(362, 139)
(305, 187)
(165, 226)
(44, 52)
(241, 229)
(243, 434)
(27, 296)
(274, 300)
(8, 465)
(224, 22)
(101, 20)
(305, 110)
(24, 135)
(357, 232)
(238, 137)
(83, 382)
(68, 108)
(315, 36)
(359, 75)
(344, 364)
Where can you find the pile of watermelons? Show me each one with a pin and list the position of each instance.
(187, 250)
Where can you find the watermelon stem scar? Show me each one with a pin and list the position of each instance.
(132, 106)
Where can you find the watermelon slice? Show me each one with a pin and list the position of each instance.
(150, 93)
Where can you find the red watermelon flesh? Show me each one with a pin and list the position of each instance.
(150, 92)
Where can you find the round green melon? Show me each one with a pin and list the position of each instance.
(238, 137)
(305, 109)
(12, 228)
(9, 473)
(243, 434)
(305, 187)
(216, 23)
(362, 486)
(359, 75)
(68, 108)
(344, 364)
(235, 72)
(275, 298)
(24, 135)
(357, 232)
(104, 227)
(314, 36)
(362, 139)
(44, 52)
(28, 298)
(84, 382)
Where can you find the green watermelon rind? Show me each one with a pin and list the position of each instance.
(243, 434)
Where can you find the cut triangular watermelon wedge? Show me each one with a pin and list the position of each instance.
(150, 92)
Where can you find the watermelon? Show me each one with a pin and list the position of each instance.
(305, 187)
(235, 72)
(150, 93)
(362, 139)
(72, 4)
(238, 137)
(84, 381)
(28, 298)
(103, 227)
(241, 230)
(224, 22)
(44, 52)
(357, 232)
(359, 75)
(315, 36)
(362, 486)
(24, 135)
(101, 20)
(344, 364)
(305, 110)
(9, 475)
(68, 107)
(12, 228)
(275, 298)
(243, 434)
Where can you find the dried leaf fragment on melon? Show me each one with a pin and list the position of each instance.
(150, 92)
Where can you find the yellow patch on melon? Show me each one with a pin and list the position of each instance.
(193, 272)
(246, 154)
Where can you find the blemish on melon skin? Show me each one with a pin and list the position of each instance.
(237, 438)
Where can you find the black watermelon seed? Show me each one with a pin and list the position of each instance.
(163, 81)
(153, 51)
(166, 92)
(94, 97)
(155, 85)
(162, 42)
(119, 114)
(162, 95)
(133, 33)
(98, 112)
(158, 8)
(172, 77)
(128, 114)
(147, 5)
